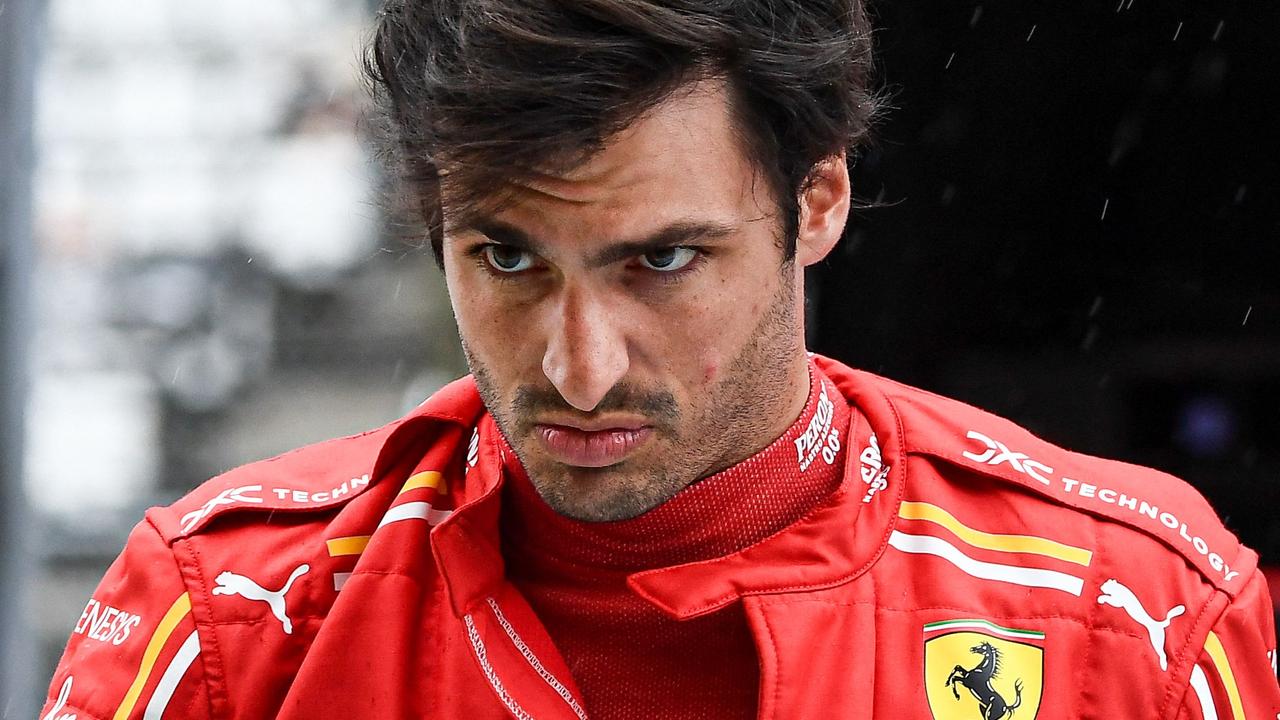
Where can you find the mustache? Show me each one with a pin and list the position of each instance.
(657, 406)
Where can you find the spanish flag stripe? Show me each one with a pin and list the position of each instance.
(179, 610)
(1204, 696)
(1218, 655)
(428, 479)
(990, 541)
(353, 545)
(172, 675)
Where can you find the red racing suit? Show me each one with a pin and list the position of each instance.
(963, 569)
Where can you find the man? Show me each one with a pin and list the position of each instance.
(648, 500)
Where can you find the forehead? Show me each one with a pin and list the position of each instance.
(681, 161)
(693, 129)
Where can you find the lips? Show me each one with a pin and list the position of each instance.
(591, 448)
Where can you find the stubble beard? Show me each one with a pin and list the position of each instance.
(739, 418)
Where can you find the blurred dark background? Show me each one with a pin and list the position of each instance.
(1080, 229)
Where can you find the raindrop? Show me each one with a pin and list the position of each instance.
(1240, 192)
(1097, 305)
(948, 66)
(1207, 74)
(853, 242)
(1177, 32)
(1129, 6)
(1105, 203)
(1033, 32)
(1217, 32)
(1090, 338)
(1120, 6)
(249, 261)
(977, 15)
(1128, 134)
(396, 296)
(1246, 316)
(948, 194)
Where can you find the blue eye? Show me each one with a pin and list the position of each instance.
(507, 259)
(668, 259)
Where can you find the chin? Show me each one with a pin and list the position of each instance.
(601, 494)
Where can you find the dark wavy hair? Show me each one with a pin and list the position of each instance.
(473, 94)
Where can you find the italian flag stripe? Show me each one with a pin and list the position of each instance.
(983, 625)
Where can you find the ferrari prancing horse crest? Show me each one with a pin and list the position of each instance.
(977, 670)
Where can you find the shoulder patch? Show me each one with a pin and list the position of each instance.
(1147, 500)
(319, 476)
(315, 477)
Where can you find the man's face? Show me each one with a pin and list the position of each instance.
(632, 324)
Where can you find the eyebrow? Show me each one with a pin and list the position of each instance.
(678, 233)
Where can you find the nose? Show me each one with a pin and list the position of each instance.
(587, 350)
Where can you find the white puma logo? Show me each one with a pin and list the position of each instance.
(63, 694)
(1117, 595)
(230, 583)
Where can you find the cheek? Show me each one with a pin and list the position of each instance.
(501, 339)
(702, 350)
(480, 323)
(710, 371)
(465, 309)
(712, 334)
(477, 308)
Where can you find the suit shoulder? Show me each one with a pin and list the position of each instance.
(324, 475)
(1141, 499)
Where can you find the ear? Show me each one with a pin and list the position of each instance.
(824, 209)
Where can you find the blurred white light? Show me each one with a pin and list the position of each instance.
(166, 202)
(108, 23)
(92, 444)
(152, 101)
(311, 213)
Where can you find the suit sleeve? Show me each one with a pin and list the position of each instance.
(1234, 677)
(134, 652)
